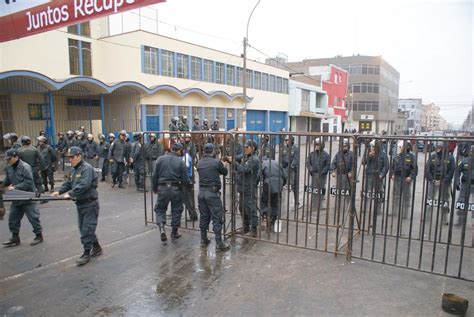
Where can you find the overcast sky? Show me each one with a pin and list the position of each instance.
(431, 43)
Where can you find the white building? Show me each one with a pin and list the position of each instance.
(414, 109)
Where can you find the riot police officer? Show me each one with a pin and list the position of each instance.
(153, 151)
(196, 125)
(248, 175)
(205, 125)
(32, 156)
(19, 176)
(188, 189)
(376, 167)
(81, 140)
(464, 181)
(403, 172)
(61, 147)
(318, 163)
(82, 187)
(274, 178)
(168, 178)
(138, 162)
(117, 157)
(341, 167)
(290, 158)
(103, 153)
(173, 126)
(215, 125)
(91, 151)
(49, 158)
(209, 199)
(439, 173)
(12, 138)
(183, 124)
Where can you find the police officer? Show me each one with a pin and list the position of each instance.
(247, 178)
(464, 181)
(266, 147)
(173, 126)
(188, 189)
(82, 187)
(153, 151)
(403, 172)
(61, 147)
(215, 125)
(117, 157)
(209, 199)
(11, 139)
(91, 151)
(138, 161)
(274, 178)
(318, 163)
(49, 158)
(32, 156)
(376, 167)
(196, 125)
(183, 124)
(70, 140)
(168, 178)
(189, 146)
(290, 159)
(439, 173)
(341, 167)
(19, 176)
(103, 148)
(205, 125)
(81, 140)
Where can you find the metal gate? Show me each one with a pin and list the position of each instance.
(348, 195)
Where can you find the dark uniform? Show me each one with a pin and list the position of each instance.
(290, 160)
(82, 187)
(342, 165)
(138, 163)
(82, 141)
(274, 178)
(21, 177)
(12, 139)
(183, 124)
(403, 171)
(91, 152)
(117, 153)
(188, 189)
(173, 126)
(168, 178)
(196, 125)
(464, 181)
(376, 168)
(439, 173)
(318, 163)
(104, 148)
(32, 156)
(209, 199)
(248, 176)
(153, 151)
(61, 147)
(49, 158)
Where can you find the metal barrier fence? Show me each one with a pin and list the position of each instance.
(394, 200)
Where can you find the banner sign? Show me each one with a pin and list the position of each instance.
(21, 18)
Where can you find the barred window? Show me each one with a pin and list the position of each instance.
(196, 63)
(230, 75)
(151, 58)
(220, 73)
(167, 63)
(182, 66)
(208, 71)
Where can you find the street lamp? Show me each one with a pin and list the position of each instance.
(244, 75)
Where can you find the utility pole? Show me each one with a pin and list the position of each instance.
(244, 71)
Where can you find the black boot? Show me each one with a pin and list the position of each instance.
(204, 240)
(84, 259)
(38, 239)
(221, 245)
(102, 179)
(175, 235)
(96, 250)
(14, 241)
(51, 190)
(164, 238)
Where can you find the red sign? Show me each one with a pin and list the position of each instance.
(21, 18)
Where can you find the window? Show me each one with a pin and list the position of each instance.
(82, 29)
(278, 88)
(38, 111)
(271, 83)
(150, 55)
(220, 73)
(168, 113)
(239, 77)
(80, 59)
(304, 99)
(182, 62)
(152, 110)
(285, 86)
(364, 69)
(208, 71)
(230, 74)
(167, 63)
(376, 88)
(264, 81)
(258, 80)
(196, 68)
(249, 79)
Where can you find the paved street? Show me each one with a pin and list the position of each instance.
(138, 276)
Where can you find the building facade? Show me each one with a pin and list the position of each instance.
(82, 76)
(373, 90)
(432, 120)
(414, 109)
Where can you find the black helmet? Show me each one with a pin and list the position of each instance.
(70, 133)
(25, 140)
(11, 136)
(208, 148)
(251, 143)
